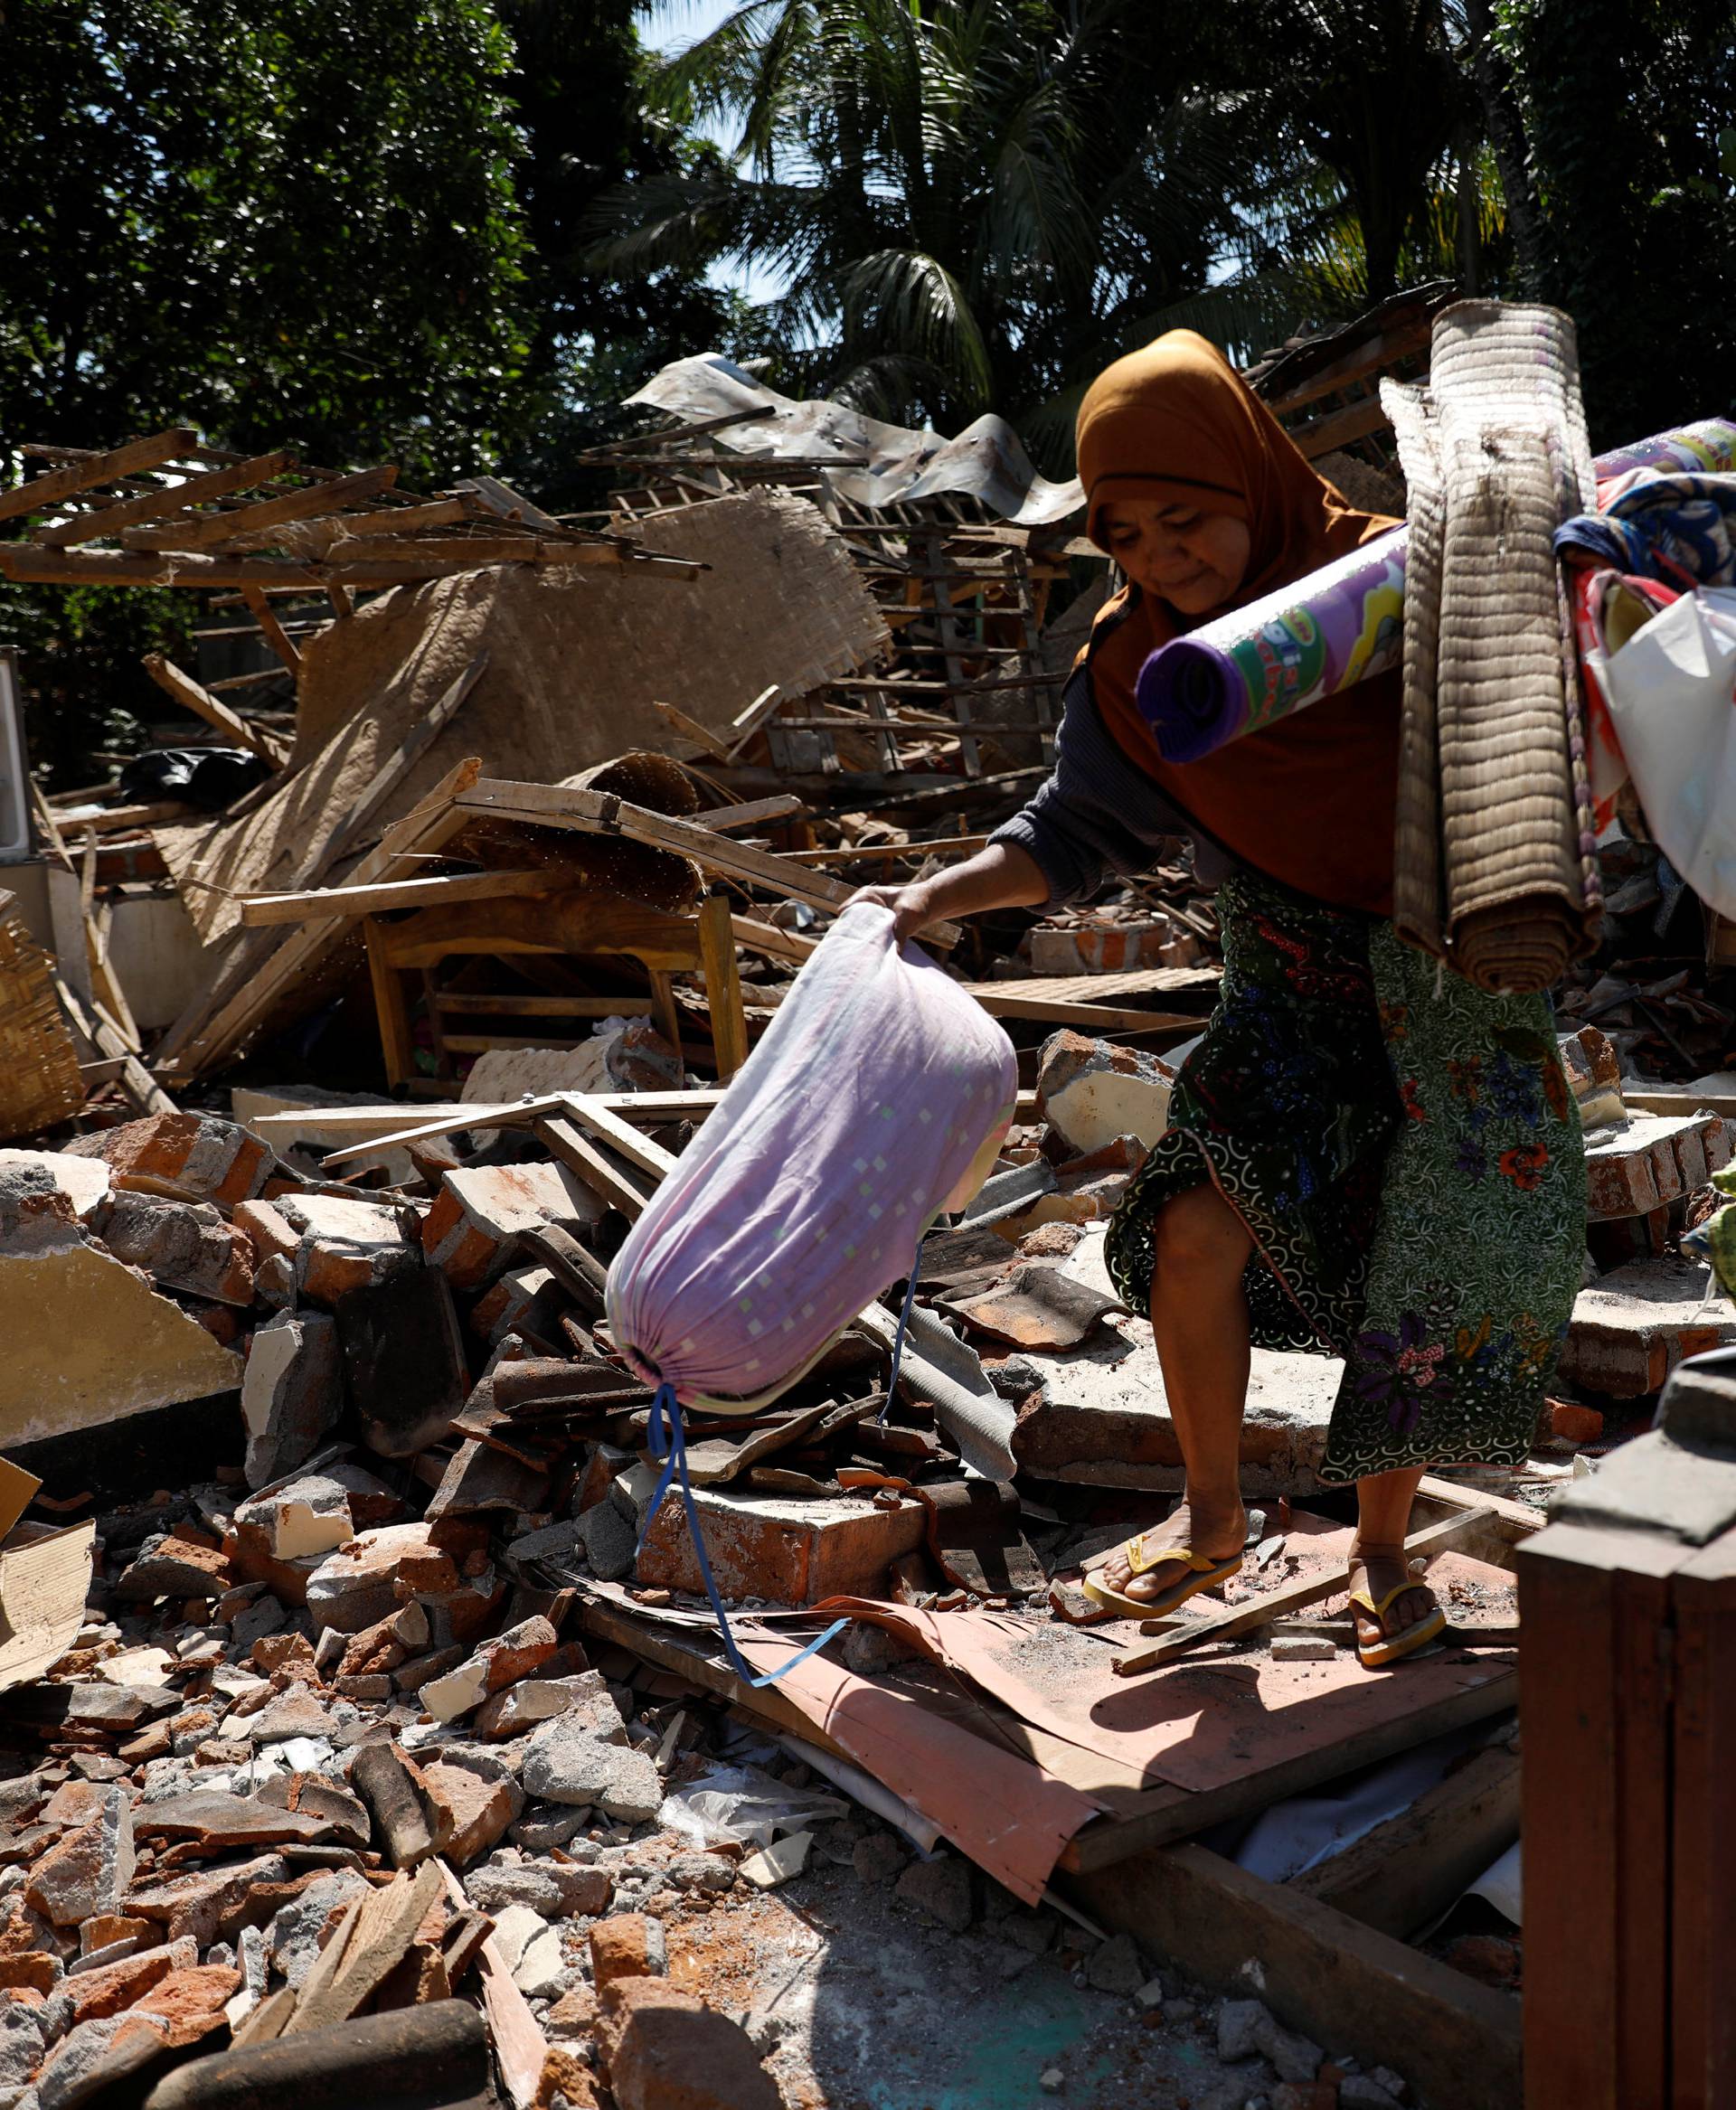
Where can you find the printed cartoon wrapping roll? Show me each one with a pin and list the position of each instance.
(879, 1097)
(1336, 626)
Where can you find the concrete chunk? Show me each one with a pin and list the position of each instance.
(183, 1245)
(291, 1394)
(1630, 1330)
(1093, 1091)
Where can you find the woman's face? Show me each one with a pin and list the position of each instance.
(1194, 560)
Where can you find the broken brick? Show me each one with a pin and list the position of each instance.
(668, 2050)
(197, 1155)
(468, 1809)
(1093, 1092)
(629, 1945)
(173, 1566)
(1654, 1160)
(89, 1869)
(345, 1244)
(185, 1246)
(498, 1661)
(479, 1212)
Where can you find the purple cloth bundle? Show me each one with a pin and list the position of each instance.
(879, 1097)
(1336, 626)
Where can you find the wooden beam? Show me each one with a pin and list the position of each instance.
(730, 820)
(390, 1009)
(722, 984)
(583, 921)
(89, 472)
(1405, 1873)
(746, 723)
(195, 697)
(585, 1161)
(245, 522)
(275, 634)
(1501, 1526)
(690, 728)
(1320, 1971)
(470, 1003)
(602, 814)
(310, 905)
(172, 498)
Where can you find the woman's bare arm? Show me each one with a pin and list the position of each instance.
(1003, 876)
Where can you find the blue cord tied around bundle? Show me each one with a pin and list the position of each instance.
(667, 1441)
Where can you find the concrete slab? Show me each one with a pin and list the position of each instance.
(1631, 1329)
(1102, 1418)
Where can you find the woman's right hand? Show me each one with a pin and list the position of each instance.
(912, 907)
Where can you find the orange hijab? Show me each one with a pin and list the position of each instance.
(1308, 800)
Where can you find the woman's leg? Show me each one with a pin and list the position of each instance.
(1199, 1318)
(1382, 1522)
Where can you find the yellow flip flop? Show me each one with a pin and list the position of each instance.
(1201, 1573)
(1394, 1647)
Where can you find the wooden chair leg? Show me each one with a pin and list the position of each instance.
(722, 984)
(390, 1008)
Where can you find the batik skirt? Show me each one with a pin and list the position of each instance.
(1405, 1152)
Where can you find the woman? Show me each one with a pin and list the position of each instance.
(1367, 1156)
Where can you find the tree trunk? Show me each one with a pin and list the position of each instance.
(1506, 137)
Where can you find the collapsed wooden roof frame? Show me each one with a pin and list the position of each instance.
(173, 511)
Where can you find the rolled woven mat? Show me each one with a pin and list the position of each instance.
(1337, 625)
(1495, 860)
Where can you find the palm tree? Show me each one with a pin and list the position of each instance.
(972, 203)
(977, 203)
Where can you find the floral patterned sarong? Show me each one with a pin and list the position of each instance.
(1406, 1152)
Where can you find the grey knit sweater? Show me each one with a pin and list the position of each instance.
(1099, 814)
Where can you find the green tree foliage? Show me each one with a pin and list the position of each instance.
(293, 219)
(1629, 110)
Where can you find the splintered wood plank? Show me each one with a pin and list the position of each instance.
(246, 522)
(195, 697)
(173, 498)
(723, 985)
(602, 814)
(309, 904)
(274, 633)
(1408, 1870)
(218, 1019)
(90, 471)
(586, 1161)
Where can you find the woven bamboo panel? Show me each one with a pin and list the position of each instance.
(39, 1066)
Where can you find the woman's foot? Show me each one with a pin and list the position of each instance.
(1216, 1531)
(1376, 1573)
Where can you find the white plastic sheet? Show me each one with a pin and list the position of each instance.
(1672, 694)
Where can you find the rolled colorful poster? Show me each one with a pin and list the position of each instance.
(1334, 627)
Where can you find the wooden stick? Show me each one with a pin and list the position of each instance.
(172, 498)
(1275, 1603)
(248, 520)
(722, 984)
(310, 905)
(275, 635)
(586, 1161)
(602, 814)
(690, 728)
(388, 1006)
(730, 820)
(746, 723)
(194, 697)
(90, 471)
(107, 996)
